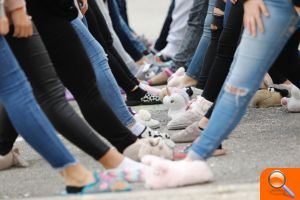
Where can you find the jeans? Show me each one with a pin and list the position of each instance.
(226, 48)
(122, 5)
(106, 82)
(193, 33)
(132, 66)
(50, 94)
(252, 60)
(76, 72)
(123, 76)
(194, 69)
(210, 54)
(132, 45)
(26, 115)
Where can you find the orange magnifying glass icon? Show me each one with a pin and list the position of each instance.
(277, 180)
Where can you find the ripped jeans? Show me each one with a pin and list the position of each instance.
(252, 60)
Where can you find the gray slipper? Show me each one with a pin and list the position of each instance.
(189, 134)
(11, 159)
(184, 120)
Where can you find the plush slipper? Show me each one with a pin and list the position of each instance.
(148, 146)
(11, 159)
(181, 152)
(293, 103)
(168, 174)
(160, 79)
(175, 79)
(149, 133)
(130, 175)
(189, 134)
(103, 183)
(266, 99)
(144, 117)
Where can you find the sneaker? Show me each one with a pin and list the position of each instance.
(148, 99)
(190, 134)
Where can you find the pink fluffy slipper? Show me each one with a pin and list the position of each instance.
(168, 174)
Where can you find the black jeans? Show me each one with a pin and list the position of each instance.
(227, 45)
(161, 41)
(75, 70)
(49, 91)
(99, 29)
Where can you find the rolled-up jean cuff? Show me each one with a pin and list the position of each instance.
(194, 156)
(75, 162)
(191, 76)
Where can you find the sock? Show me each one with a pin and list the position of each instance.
(73, 189)
(137, 129)
(136, 94)
(127, 163)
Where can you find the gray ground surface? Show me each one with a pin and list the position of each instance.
(265, 138)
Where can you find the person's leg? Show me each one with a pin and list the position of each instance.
(195, 67)
(216, 30)
(123, 10)
(134, 47)
(193, 33)
(76, 72)
(132, 66)
(177, 28)
(161, 41)
(123, 76)
(26, 115)
(107, 85)
(253, 58)
(226, 48)
(49, 92)
(7, 137)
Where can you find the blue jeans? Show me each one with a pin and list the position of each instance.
(252, 60)
(194, 68)
(193, 33)
(25, 114)
(106, 82)
(132, 45)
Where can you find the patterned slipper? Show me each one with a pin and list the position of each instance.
(105, 183)
(129, 175)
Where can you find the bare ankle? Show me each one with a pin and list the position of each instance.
(77, 176)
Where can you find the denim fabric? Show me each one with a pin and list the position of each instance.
(132, 45)
(253, 58)
(227, 10)
(194, 69)
(193, 33)
(106, 82)
(25, 114)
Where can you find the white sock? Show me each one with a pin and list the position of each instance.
(127, 163)
(137, 128)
